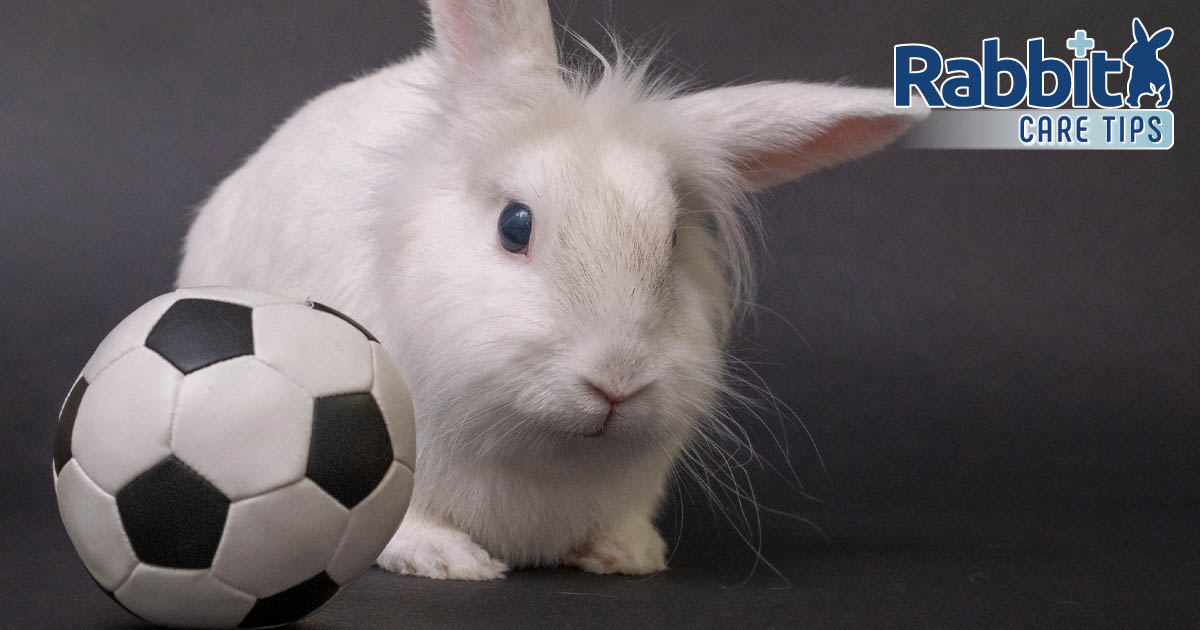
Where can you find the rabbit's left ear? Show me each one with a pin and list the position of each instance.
(1162, 37)
(476, 39)
(1139, 31)
(776, 132)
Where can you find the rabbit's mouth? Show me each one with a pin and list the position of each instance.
(604, 424)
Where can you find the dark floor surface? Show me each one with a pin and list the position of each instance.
(1110, 568)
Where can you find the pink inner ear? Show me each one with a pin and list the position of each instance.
(844, 140)
(460, 31)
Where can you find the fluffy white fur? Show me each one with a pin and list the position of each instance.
(381, 197)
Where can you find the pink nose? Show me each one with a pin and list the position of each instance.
(612, 399)
(612, 396)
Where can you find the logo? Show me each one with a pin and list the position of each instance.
(1042, 101)
(1147, 73)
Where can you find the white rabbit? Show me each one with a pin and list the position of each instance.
(554, 262)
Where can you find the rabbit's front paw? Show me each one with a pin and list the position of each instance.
(434, 551)
(636, 548)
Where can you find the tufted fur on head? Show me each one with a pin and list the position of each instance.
(554, 388)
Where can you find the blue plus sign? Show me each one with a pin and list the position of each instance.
(1081, 43)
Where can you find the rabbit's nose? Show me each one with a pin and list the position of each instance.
(615, 394)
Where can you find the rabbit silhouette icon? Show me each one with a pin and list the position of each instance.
(1147, 73)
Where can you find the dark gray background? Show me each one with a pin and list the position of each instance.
(999, 358)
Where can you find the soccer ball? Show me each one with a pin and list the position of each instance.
(232, 458)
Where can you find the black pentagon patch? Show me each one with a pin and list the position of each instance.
(195, 333)
(292, 604)
(173, 516)
(350, 450)
(346, 318)
(66, 424)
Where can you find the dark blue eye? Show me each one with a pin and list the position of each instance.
(515, 226)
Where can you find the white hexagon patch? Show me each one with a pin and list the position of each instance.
(373, 522)
(394, 400)
(323, 353)
(243, 426)
(93, 524)
(127, 335)
(183, 598)
(123, 426)
(235, 295)
(273, 541)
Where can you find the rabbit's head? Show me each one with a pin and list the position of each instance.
(582, 247)
(1144, 49)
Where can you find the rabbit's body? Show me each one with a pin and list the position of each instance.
(317, 164)
(300, 217)
(556, 381)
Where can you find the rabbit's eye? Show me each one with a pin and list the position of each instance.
(515, 227)
(674, 237)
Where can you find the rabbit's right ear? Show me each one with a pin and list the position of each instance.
(776, 132)
(479, 39)
(1162, 37)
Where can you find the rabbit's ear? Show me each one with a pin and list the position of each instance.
(1139, 31)
(776, 132)
(474, 38)
(1162, 37)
